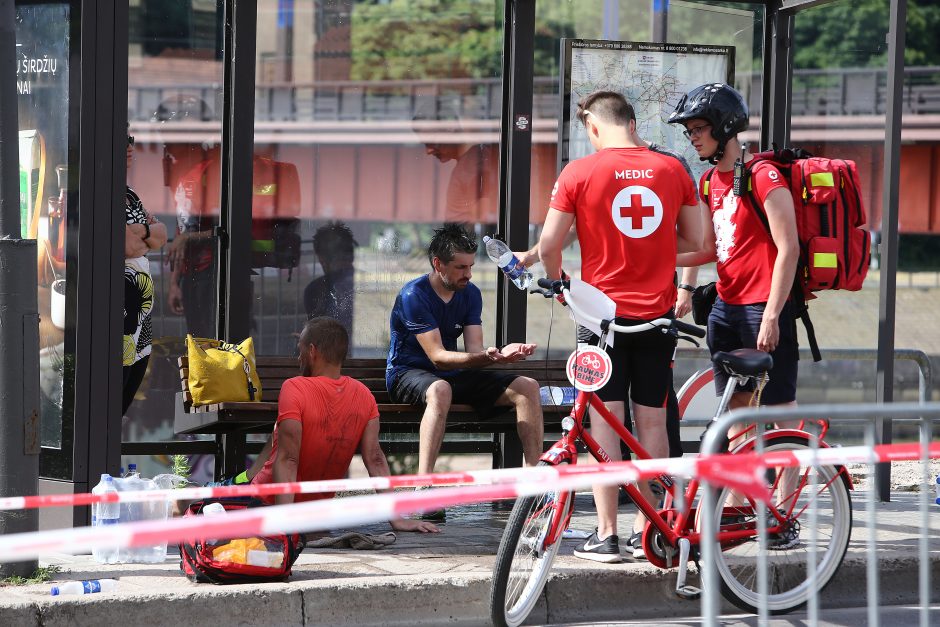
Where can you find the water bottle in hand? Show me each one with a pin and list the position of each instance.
(84, 587)
(499, 253)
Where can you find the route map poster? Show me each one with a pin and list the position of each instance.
(653, 77)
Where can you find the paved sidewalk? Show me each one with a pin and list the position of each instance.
(443, 579)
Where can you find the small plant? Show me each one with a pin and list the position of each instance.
(40, 575)
(180, 466)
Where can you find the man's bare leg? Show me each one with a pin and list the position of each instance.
(523, 394)
(650, 426)
(605, 496)
(433, 425)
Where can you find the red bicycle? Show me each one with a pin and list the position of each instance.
(672, 537)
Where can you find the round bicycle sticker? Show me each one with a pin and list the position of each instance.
(589, 368)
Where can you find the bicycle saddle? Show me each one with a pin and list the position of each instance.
(744, 361)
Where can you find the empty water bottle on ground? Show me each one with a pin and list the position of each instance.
(104, 514)
(499, 253)
(84, 587)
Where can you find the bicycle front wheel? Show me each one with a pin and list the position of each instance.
(523, 561)
(794, 550)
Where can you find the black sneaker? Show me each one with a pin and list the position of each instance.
(636, 544)
(597, 550)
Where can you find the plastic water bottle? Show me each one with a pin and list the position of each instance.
(554, 395)
(938, 489)
(104, 514)
(89, 586)
(499, 253)
(131, 471)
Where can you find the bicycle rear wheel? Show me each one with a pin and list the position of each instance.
(523, 562)
(788, 562)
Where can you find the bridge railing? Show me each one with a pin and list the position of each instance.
(851, 91)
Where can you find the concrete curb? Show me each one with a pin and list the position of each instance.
(608, 593)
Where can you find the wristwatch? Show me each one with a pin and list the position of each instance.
(686, 286)
(146, 231)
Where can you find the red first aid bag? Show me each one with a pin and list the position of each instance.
(240, 560)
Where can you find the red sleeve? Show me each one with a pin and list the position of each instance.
(765, 178)
(565, 193)
(290, 402)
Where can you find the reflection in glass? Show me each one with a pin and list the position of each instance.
(42, 82)
(389, 113)
(174, 107)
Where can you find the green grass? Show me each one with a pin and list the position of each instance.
(40, 575)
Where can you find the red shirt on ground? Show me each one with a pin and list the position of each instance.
(333, 414)
(626, 202)
(746, 253)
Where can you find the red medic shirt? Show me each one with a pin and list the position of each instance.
(626, 202)
(746, 253)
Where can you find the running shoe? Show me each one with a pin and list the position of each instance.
(636, 544)
(597, 550)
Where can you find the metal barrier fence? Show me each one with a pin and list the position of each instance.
(866, 415)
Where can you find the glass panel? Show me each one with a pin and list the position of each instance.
(375, 122)
(687, 22)
(174, 113)
(47, 208)
(838, 106)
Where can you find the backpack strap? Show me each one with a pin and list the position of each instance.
(797, 297)
(752, 195)
(708, 184)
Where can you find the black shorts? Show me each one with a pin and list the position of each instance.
(642, 364)
(736, 326)
(479, 388)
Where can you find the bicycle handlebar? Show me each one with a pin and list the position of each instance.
(551, 287)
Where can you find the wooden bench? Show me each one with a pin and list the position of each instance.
(231, 422)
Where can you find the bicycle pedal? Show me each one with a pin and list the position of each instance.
(689, 593)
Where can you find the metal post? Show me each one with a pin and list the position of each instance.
(19, 318)
(516, 159)
(884, 381)
(9, 125)
(659, 20)
(238, 129)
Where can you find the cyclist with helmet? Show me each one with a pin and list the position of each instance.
(755, 268)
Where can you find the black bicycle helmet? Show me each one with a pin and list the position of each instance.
(720, 105)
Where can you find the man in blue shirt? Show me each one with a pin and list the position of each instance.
(425, 365)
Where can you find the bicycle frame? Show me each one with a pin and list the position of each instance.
(565, 451)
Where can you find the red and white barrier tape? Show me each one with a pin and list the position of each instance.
(743, 471)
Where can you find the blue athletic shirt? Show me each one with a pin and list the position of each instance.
(419, 309)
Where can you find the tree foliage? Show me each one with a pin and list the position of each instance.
(851, 33)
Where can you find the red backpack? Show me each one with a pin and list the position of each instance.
(835, 246)
(245, 560)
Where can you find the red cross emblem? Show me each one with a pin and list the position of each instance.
(637, 211)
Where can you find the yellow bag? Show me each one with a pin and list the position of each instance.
(220, 372)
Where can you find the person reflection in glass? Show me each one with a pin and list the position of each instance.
(191, 171)
(473, 188)
(333, 294)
